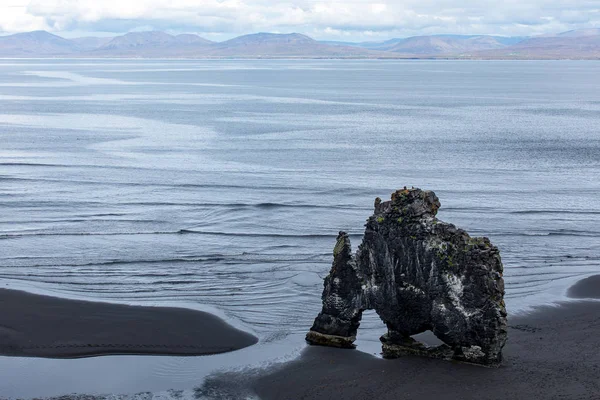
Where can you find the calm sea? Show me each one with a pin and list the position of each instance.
(223, 184)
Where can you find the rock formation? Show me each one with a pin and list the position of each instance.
(418, 273)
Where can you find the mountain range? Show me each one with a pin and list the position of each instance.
(579, 44)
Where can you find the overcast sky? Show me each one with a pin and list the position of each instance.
(334, 20)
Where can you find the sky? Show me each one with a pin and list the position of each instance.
(348, 20)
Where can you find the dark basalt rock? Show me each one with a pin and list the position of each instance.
(418, 273)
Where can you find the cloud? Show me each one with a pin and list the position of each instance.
(356, 19)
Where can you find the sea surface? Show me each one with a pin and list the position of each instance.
(222, 185)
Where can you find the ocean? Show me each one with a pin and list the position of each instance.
(222, 185)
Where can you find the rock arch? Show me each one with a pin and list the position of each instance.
(418, 273)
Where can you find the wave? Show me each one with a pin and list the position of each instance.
(240, 258)
(148, 184)
(468, 209)
(288, 205)
(574, 233)
(353, 191)
(592, 212)
(177, 282)
(559, 232)
(495, 210)
(14, 235)
(179, 232)
(25, 164)
(268, 235)
(267, 205)
(33, 234)
(76, 220)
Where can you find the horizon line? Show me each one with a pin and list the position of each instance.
(115, 35)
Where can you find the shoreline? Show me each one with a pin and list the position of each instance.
(552, 353)
(36, 325)
(552, 342)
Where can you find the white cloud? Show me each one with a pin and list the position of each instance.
(356, 19)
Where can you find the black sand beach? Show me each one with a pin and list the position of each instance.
(43, 326)
(588, 288)
(552, 353)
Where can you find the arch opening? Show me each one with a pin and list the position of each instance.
(369, 333)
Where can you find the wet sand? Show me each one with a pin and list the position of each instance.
(552, 353)
(588, 288)
(44, 326)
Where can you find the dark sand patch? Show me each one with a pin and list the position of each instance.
(44, 326)
(588, 288)
(551, 354)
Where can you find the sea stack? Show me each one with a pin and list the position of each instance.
(418, 273)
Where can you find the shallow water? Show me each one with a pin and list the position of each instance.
(224, 183)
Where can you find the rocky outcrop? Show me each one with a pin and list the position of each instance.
(418, 273)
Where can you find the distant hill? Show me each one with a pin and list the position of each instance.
(282, 45)
(152, 44)
(139, 40)
(35, 44)
(437, 44)
(582, 44)
(188, 38)
(579, 44)
(433, 45)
